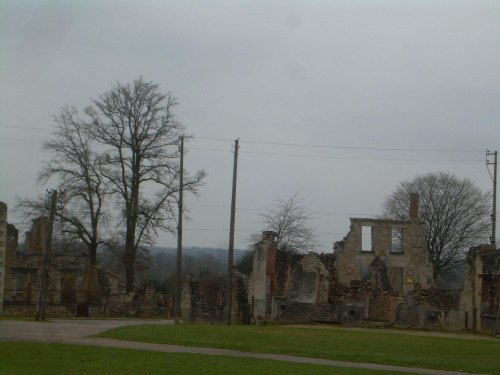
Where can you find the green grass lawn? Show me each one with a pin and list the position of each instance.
(43, 359)
(479, 356)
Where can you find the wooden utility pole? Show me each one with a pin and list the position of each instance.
(494, 213)
(44, 276)
(178, 290)
(231, 237)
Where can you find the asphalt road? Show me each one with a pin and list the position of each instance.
(74, 332)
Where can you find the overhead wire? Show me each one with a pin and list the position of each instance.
(291, 144)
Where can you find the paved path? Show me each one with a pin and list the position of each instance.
(73, 331)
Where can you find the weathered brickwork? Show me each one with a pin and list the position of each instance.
(431, 309)
(261, 279)
(480, 296)
(35, 238)
(407, 264)
(75, 288)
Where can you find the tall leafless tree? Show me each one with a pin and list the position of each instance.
(75, 166)
(135, 125)
(455, 210)
(290, 220)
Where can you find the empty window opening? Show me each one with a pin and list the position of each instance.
(364, 272)
(366, 238)
(68, 292)
(21, 286)
(397, 240)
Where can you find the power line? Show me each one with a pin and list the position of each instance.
(359, 148)
(319, 156)
(349, 158)
(208, 149)
(264, 209)
(225, 207)
(24, 128)
(22, 140)
(295, 144)
(342, 157)
(341, 147)
(217, 230)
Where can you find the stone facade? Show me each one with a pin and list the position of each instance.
(431, 309)
(399, 245)
(196, 309)
(75, 287)
(292, 287)
(262, 280)
(480, 298)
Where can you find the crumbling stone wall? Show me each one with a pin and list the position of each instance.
(480, 297)
(261, 282)
(431, 309)
(407, 266)
(35, 238)
(3, 250)
(194, 308)
(75, 288)
(295, 287)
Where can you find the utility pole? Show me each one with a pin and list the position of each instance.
(179, 237)
(42, 291)
(231, 237)
(494, 213)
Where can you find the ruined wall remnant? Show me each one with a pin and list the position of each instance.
(74, 287)
(3, 250)
(261, 282)
(35, 238)
(195, 310)
(400, 245)
(290, 287)
(309, 281)
(480, 297)
(431, 309)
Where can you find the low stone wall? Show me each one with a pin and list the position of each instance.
(28, 310)
(488, 323)
(298, 312)
(419, 317)
(124, 310)
(383, 308)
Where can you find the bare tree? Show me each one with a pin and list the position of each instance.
(290, 220)
(75, 166)
(455, 210)
(135, 125)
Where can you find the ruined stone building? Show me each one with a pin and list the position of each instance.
(377, 263)
(480, 297)
(381, 273)
(284, 285)
(397, 248)
(75, 287)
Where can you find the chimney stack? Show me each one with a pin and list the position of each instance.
(269, 237)
(414, 206)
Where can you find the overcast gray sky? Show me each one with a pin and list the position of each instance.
(340, 100)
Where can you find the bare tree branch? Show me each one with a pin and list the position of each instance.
(290, 220)
(455, 210)
(135, 125)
